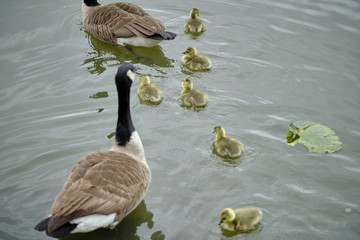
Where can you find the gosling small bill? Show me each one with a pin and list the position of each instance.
(240, 219)
(195, 62)
(148, 92)
(192, 97)
(194, 24)
(226, 147)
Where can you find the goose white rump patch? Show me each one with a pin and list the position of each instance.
(94, 221)
(138, 41)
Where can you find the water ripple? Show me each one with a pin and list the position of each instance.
(274, 62)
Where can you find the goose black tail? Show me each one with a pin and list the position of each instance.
(163, 35)
(62, 231)
(42, 226)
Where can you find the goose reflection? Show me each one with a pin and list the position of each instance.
(107, 54)
(126, 229)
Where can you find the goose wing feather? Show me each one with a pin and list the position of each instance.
(102, 182)
(122, 20)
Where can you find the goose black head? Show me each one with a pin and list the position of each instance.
(91, 3)
(125, 75)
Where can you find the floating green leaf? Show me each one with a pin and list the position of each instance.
(111, 135)
(315, 136)
(100, 95)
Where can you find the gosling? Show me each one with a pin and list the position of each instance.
(148, 92)
(195, 62)
(226, 147)
(194, 24)
(240, 219)
(191, 97)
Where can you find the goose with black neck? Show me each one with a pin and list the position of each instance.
(104, 186)
(123, 23)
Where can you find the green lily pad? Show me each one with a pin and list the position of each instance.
(315, 136)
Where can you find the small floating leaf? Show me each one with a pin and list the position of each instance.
(100, 110)
(99, 95)
(315, 136)
(111, 135)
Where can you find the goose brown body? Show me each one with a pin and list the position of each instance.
(103, 182)
(121, 22)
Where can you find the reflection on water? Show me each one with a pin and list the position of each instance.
(229, 234)
(228, 162)
(126, 229)
(107, 54)
(194, 36)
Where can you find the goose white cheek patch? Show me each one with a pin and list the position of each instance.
(131, 75)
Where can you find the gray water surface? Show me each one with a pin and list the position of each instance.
(274, 62)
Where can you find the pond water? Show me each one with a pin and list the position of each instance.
(274, 62)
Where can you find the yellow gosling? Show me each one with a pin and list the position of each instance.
(194, 24)
(148, 92)
(226, 147)
(240, 219)
(192, 97)
(195, 62)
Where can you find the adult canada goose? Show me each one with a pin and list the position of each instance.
(123, 23)
(196, 62)
(226, 147)
(194, 24)
(104, 186)
(240, 219)
(191, 97)
(148, 92)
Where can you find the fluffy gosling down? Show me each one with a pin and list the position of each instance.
(196, 62)
(123, 23)
(104, 186)
(240, 219)
(226, 147)
(192, 97)
(148, 92)
(194, 24)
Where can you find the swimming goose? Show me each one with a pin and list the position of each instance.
(191, 97)
(240, 219)
(196, 62)
(123, 23)
(149, 92)
(104, 186)
(226, 147)
(194, 24)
